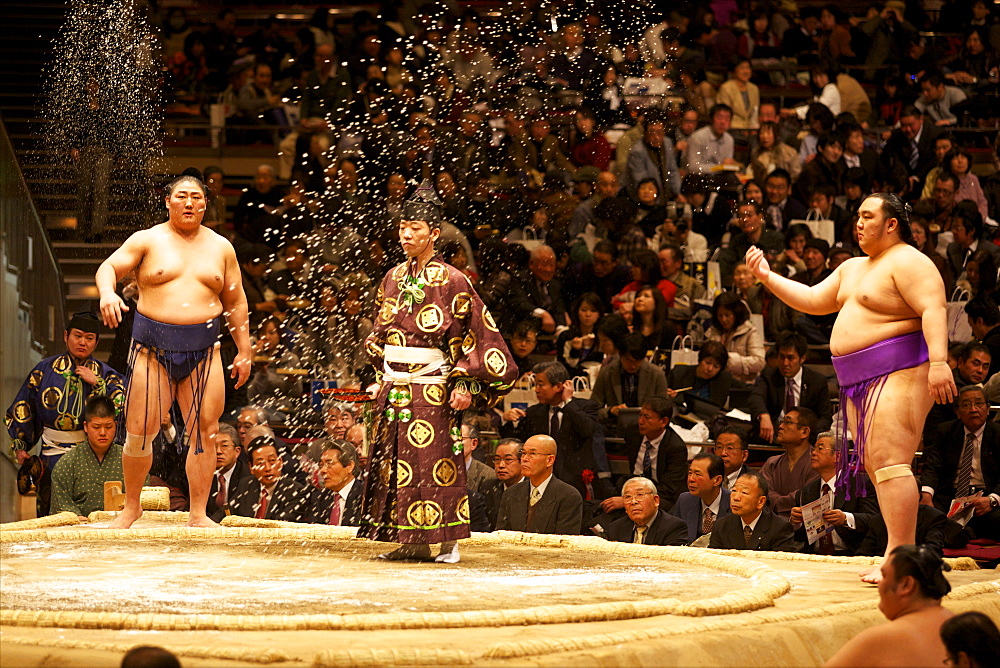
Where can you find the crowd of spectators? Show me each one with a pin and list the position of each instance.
(602, 170)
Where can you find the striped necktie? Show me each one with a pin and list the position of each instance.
(963, 482)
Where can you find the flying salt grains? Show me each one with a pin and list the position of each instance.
(101, 91)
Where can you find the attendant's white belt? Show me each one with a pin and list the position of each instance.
(434, 372)
(54, 440)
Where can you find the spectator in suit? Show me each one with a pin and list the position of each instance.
(229, 471)
(538, 294)
(963, 459)
(646, 522)
(778, 389)
(706, 501)
(708, 380)
(732, 447)
(339, 503)
(269, 493)
(910, 148)
(542, 503)
(247, 418)
(752, 526)
(968, 231)
(788, 473)
(856, 155)
(479, 476)
(849, 517)
(628, 383)
(656, 452)
(933, 530)
(914, 584)
(573, 423)
(984, 319)
(506, 462)
(653, 158)
(974, 362)
(688, 287)
(750, 217)
(779, 204)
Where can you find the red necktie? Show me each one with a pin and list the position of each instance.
(335, 512)
(220, 496)
(826, 540)
(262, 507)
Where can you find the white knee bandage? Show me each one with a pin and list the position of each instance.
(894, 471)
(138, 445)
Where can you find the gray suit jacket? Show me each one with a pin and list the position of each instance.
(608, 388)
(480, 477)
(560, 510)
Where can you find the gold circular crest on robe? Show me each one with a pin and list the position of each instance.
(436, 274)
(420, 434)
(461, 304)
(469, 344)
(22, 411)
(444, 472)
(385, 472)
(424, 514)
(35, 379)
(387, 312)
(434, 394)
(496, 362)
(65, 422)
(455, 346)
(489, 321)
(61, 364)
(395, 337)
(94, 366)
(51, 397)
(404, 474)
(430, 318)
(462, 509)
(399, 271)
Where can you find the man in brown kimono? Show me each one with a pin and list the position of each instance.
(438, 351)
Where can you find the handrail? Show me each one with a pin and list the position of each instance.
(28, 254)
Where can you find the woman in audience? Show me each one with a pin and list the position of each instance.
(760, 42)
(579, 344)
(698, 92)
(819, 119)
(771, 153)
(651, 213)
(980, 274)
(272, 386)
(611, 333)
(606, 97)
(741, 95)
(889, 99)
(790, 261)
(972, 641)
(959, 162)
(976, 67)
(649, 318)
(732, 328)
(743, 282)
(646, 271)
(589, 145)
(922, 240)
(709, 380)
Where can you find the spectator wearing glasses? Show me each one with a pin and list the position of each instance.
(789, 472)
(646, 523)
(731, 447)
(541, 503)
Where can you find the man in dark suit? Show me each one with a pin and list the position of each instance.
(706, 501)
(574, 425)
(777, 390)
(229, 471)
(655, 451)
(973, 368)
(751, 526)
(911, 148)
(646, 523)
(984, 318)
(628, 382)
(963, 459)
(541, 503)
(339, 502)
(968, 231)
(538, 293)
(732, 447)
(849, 518)
(268, 494)
(779, 204)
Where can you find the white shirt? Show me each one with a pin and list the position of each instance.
(562, 408)
(342, 501)
(731, 479)
(654, 449)
(832, 482)
(752, 525)
(830, 96)
(541, 488)
(977, 461)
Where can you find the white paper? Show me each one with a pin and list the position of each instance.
(812, 518)
(737, 414)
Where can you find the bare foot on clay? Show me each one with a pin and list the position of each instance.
(873, 576)
(203, 522)
(125, 519)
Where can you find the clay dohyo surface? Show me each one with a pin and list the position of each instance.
(299, 577)
(788, 610)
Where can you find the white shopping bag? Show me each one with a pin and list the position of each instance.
(682, 352)
(820, 227)
(581, 387)
(959, 330)
(523, 394)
